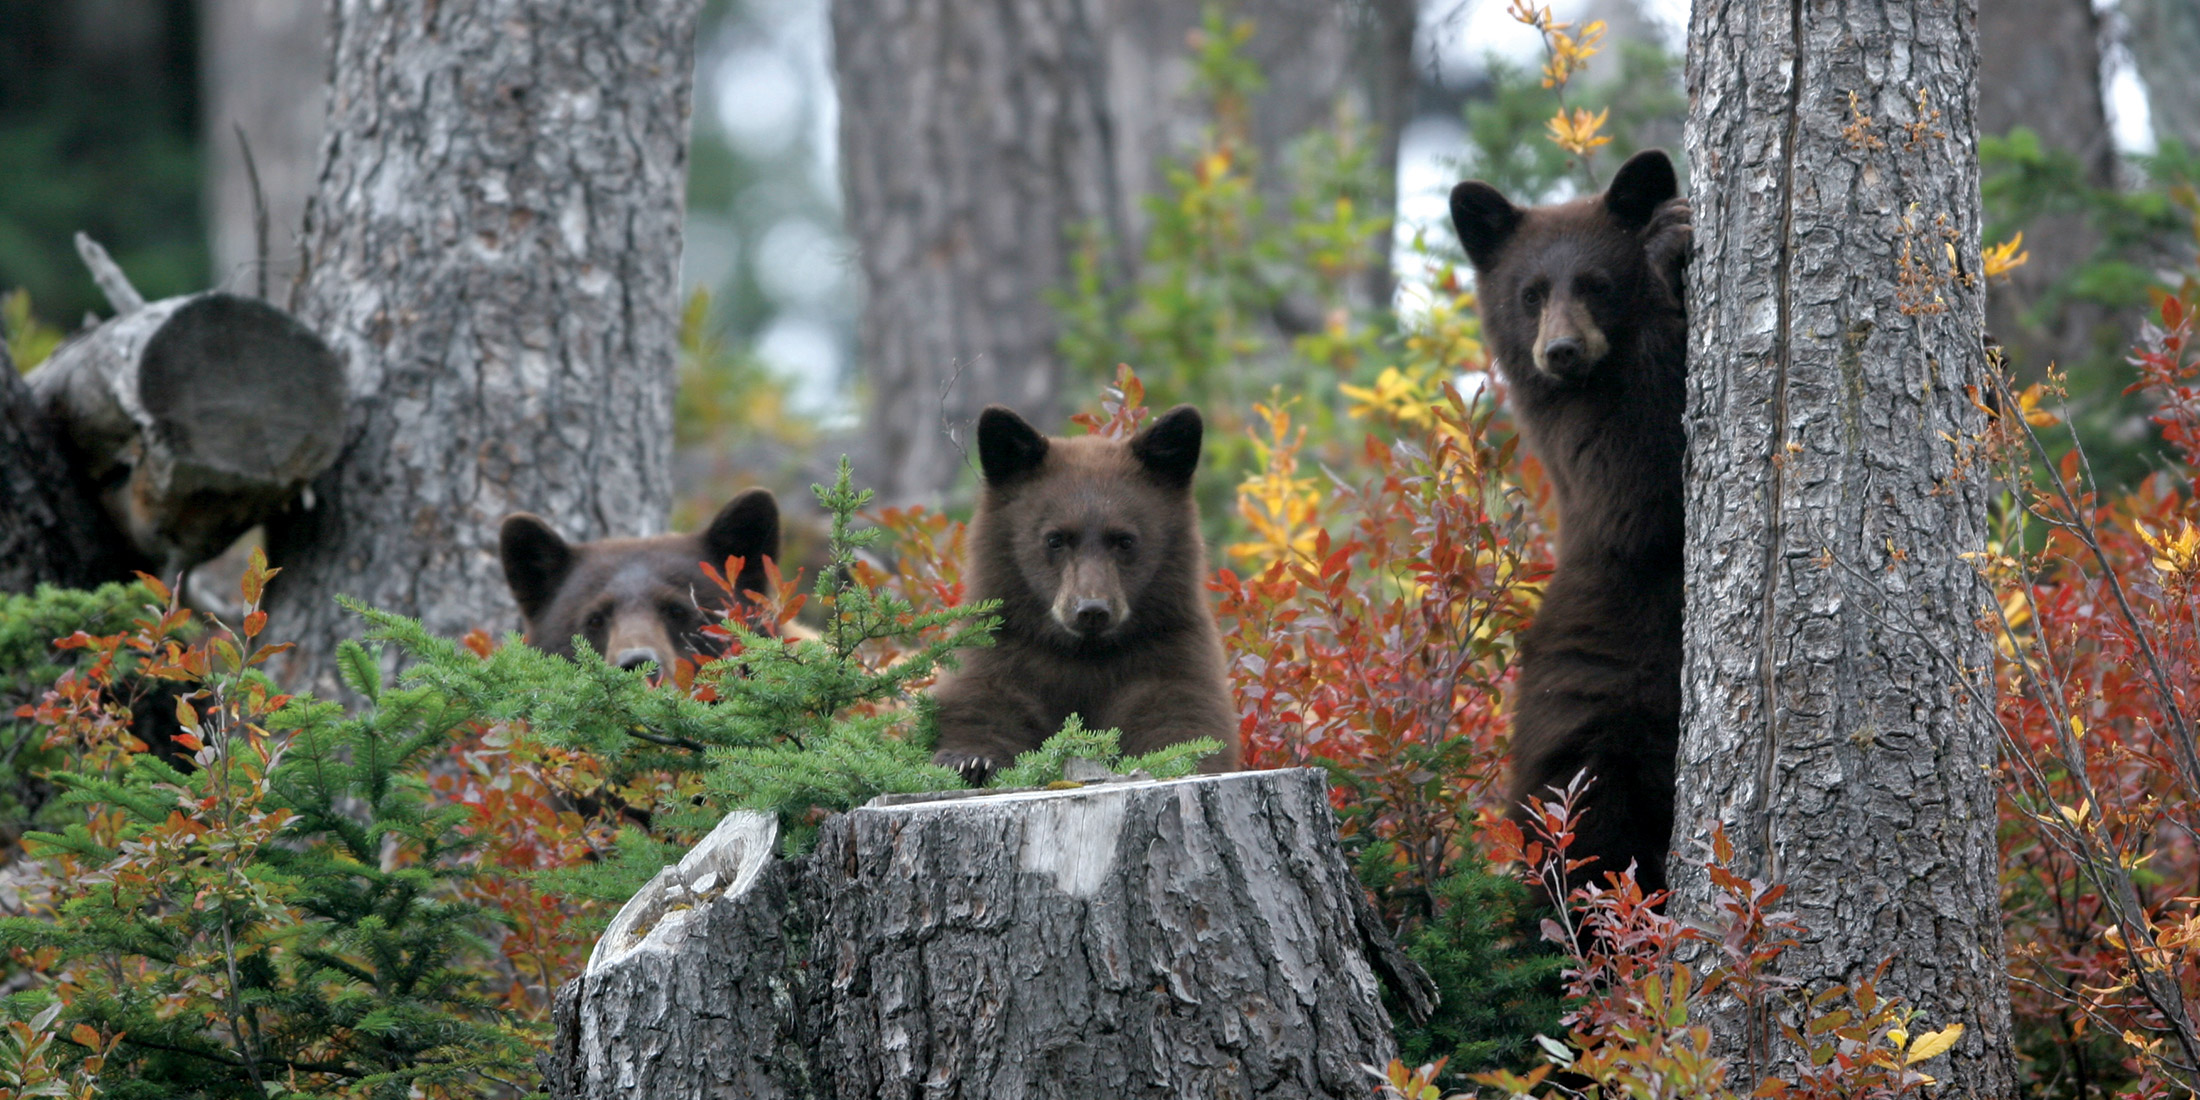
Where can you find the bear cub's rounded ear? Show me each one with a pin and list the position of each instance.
(1484, 220)
(1169, 447)
(1008, 447)
(536, 560)
(746, 528)
(1640, 185)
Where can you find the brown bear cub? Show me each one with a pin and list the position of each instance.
(1582, 305)
(642, 601)
(1092, 545)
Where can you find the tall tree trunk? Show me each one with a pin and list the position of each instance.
(493, 248)
(2040, 67)
(2165, 40)
(263, 69)
(976, 138)
(1834, 324)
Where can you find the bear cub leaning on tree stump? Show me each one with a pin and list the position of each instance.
(1092, 545)
(1582, 304)
(639, 601)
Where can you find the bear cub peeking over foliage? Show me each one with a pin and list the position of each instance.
(1582, 305)
(1092, 545)
(637, 601)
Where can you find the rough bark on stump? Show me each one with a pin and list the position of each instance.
(494, 250)
(1200, 937)
(690, 992)
(196, 417)
(1832, 659)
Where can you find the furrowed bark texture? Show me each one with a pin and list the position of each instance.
(1835, 323)
(977, 139)
(1201, 937)
(494, 248)
(693, 1001)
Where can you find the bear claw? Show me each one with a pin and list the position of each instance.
(975, 768)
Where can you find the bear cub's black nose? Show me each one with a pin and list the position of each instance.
(1092, 616)
(635, 658)
(1563, 355)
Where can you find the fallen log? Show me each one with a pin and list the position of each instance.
(1196, 937)
(194, 417)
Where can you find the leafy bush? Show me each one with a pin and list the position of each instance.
(270, 915)
(31, 662)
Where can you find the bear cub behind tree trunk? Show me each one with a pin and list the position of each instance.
(1582, 305)
(1092, 545)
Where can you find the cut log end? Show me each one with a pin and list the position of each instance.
(660, 915)
(197, 417)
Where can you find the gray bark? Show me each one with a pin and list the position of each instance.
(263, 69)
(52, 530)
(493, 248)
(197, 417)
(2164, 40)
(2040, 67)
(976, 138)
(1830, 636)
(691, 990)
(1202, 937)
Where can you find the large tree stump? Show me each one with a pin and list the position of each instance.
(1198, 937)
(195, 417)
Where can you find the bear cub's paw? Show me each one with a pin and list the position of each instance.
(975, 768)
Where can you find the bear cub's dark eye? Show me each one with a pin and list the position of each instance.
(1532, 297)
(1122, 542)
(1056, 540)
(598, 619)
(1587, 286)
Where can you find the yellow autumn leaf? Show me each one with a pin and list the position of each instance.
(1932, 1044)
(1567, 52)
(1280, 508)
(1530, 15)
(2175, 555)
(2028, 403)
(1578, 134)
(2003, 258)
(1396, 395)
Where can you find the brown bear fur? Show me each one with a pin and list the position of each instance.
(1092, 546)
(1582, 306)
(640, 601)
